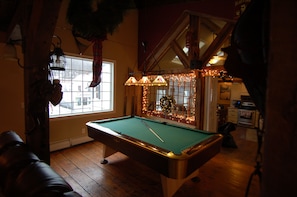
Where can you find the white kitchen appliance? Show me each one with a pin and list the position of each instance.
(247, 112)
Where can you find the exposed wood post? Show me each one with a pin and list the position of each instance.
(194, 56)
(280, 143)
(194, 36)
(180, 53)
(39, 23)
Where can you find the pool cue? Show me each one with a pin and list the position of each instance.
(151, 130)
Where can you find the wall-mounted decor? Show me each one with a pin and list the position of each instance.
(225, 91)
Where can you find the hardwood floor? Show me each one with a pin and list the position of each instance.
(225, 175)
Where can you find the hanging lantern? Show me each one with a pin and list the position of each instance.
(57, 57)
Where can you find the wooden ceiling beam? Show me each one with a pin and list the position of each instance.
(217, 43)
(180, 54)
(210, 25)
(142, 4)
(164, 44)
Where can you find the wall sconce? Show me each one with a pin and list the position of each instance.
(9, 52)
(57, 57)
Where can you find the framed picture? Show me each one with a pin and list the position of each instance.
(225, 92)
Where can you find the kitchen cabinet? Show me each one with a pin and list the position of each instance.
(232, 115)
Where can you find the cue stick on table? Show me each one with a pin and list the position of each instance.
(151, 130)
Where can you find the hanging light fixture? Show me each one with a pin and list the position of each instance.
(10, 53)
(159, 80)
(57, 57)
(145, 81)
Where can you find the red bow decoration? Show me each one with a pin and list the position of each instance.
(97, 61)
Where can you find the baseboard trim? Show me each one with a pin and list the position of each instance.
(59, 145)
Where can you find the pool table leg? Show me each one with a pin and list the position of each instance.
(107, 151)
(170, 186)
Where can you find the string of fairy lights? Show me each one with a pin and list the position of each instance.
(182, 111)
(174, 86)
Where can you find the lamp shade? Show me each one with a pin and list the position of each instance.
(159, 81)
(131, 81)
(144, 81)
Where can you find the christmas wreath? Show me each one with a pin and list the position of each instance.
(167, 103)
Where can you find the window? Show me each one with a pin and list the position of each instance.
(182, 88)
(78, 97)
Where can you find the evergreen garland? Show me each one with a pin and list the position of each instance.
(93, 19)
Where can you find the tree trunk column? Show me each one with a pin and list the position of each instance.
(39, 21)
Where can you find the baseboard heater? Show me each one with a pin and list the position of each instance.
(67, 143)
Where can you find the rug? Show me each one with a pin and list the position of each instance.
(251, 135)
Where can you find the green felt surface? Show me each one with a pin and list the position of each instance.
(176, 139)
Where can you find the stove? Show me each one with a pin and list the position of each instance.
(247, 105)
(247, 112)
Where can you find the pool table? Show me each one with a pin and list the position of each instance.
(174, 151)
